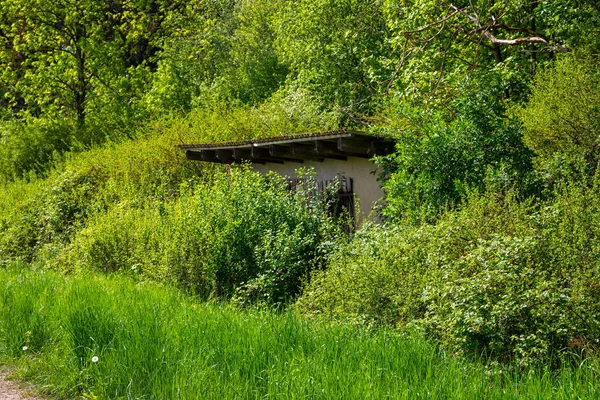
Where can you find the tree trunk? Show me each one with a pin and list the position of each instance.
(81, 86)
(534, 4)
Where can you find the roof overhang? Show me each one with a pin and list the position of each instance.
(318, 146)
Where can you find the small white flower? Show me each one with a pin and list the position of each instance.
(25, 348)
(95, 359)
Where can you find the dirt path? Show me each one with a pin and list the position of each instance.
(13, 390)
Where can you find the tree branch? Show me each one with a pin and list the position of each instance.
(486, 30)
(424, 28)
(514, 42)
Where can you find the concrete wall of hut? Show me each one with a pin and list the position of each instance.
(361, 170)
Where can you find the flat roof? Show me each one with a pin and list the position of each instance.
(336, 144)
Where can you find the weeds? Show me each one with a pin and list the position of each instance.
(110, 337)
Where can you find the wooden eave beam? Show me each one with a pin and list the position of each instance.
(264, 153)
(320, 149)
(339, 148)
(342, 147)
(202, 155)
(289, 150)
(245, 154)
(193, 155)
(362, 147)
(225, 156)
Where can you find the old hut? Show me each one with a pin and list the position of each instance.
(332, 154)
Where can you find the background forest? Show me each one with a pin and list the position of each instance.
(492, 212)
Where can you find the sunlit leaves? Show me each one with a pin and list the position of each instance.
(562, 117)
(337, 49)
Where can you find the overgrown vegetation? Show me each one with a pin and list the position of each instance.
(509, 279)
(489, 242)
(111, 338)
(562, 119)
(243, 236)
(221, 236)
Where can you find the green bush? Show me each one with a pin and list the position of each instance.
(562, 117)
(40, 215)
(240, 235)
(498, 277)
(127, 196)
(34, 146)
(336, 50)
(48, 216)
(442, 154)
(30, 147)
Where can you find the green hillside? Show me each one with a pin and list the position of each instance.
(490, 241)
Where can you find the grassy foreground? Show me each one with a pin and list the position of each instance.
(110, 337)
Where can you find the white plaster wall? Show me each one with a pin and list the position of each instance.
(366, 186)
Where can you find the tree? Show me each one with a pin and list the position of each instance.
(337, 50)
(438, 42)
(223, 49)
(562, 117)
(63, 55)
(73, 75)
(441, 156)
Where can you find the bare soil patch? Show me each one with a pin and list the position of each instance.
(13, 389)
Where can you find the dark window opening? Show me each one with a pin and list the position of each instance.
(340, 198)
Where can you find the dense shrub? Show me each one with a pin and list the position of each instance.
(499, 277)
(562, 117)
(49, 217)
(34, 146)
(41, 214)
(240, 235)
(126, 200)
(336, 50)
(38, 217)
(28, 147)
(442, 154)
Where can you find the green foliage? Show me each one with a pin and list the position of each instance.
(24, 317)
(497, 277)
(219, 49)
(71, 59)
(242, 235)
(532, 295)
(120, 207)
(335, 49)
(504, 298)
(30, 148)
(48, 218)
(106, 68)
(254, 68)
(152, 342)
(576, 22)
(436, 43)
(562, 117)
(73, 75)
(289, 111)
(43, 215)
(491, 275)
(440, 155)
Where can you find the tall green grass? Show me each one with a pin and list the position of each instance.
(153, 342)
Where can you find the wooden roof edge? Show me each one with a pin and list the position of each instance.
(276, 140)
